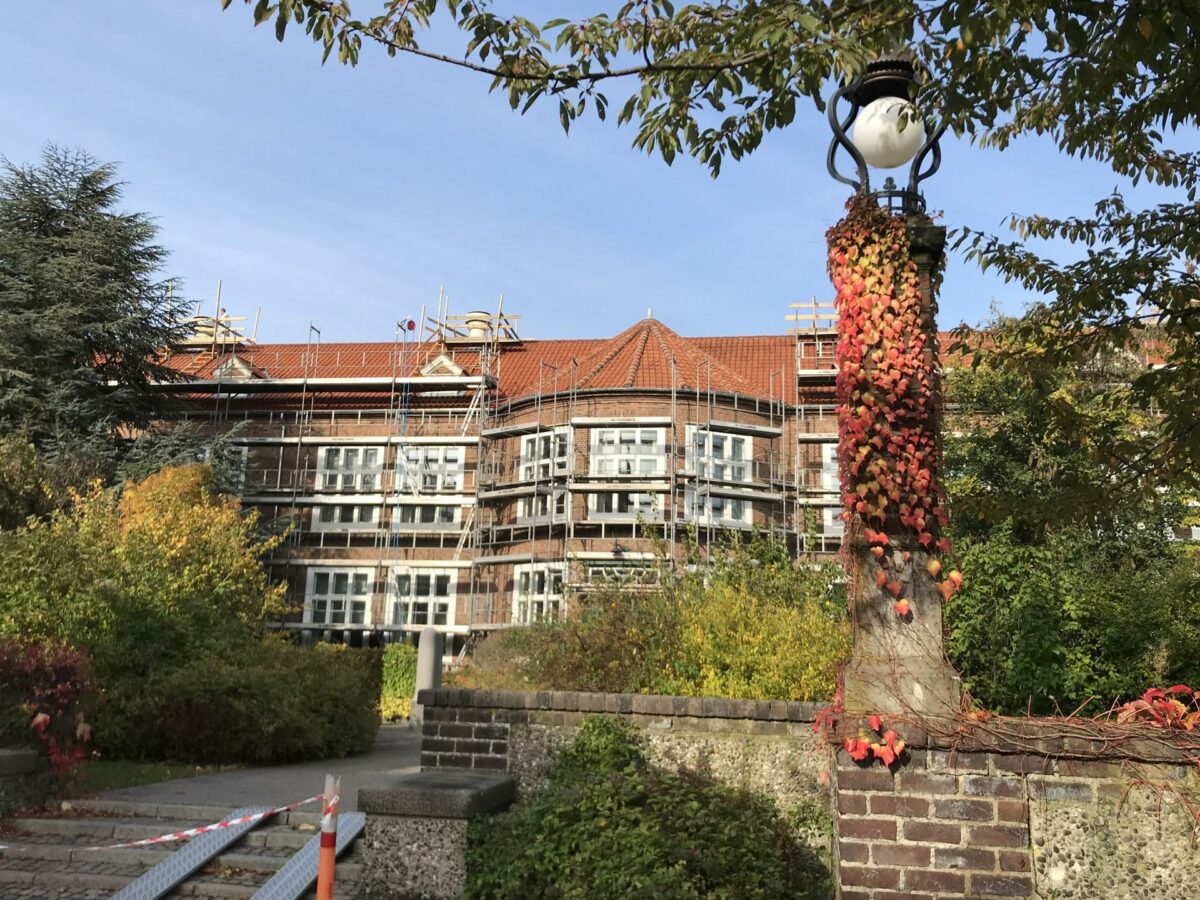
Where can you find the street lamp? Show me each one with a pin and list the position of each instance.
(886, 131)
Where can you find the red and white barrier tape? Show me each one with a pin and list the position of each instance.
(203, 829)
(329, 811)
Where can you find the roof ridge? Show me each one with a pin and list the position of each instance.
(636, 362)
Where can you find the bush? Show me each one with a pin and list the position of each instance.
(755, 625)
(399, 680)
(271, 702)
(151, 578)
(1044, 627)
(42, 691)
(608, 824)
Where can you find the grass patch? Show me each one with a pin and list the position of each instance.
(99, 775)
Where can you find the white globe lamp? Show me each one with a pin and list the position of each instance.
(877, 134)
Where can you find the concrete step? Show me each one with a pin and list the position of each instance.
(85, 831)
(199, 814)
(47, 856)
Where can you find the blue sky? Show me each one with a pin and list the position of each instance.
(346, 197)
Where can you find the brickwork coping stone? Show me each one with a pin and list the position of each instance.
(440, 794)
(636, 704)
(1036, 743)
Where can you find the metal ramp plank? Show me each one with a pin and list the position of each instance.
(298, 873)
(176, 868)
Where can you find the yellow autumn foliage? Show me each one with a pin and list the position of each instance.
(734, 643)
(141, 575)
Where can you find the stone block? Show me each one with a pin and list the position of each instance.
(964, 858)
(18, 762)
(1061, 791)
(900, 854)
(869, 876)
(875, 829)
(992, 786)
(933, 832)
(969, 810)
(873, 779)
(999, 836)
(953, 761)
(439, 795)
(854, 852)
(935, 880)
(921, 783)
(1001, 886)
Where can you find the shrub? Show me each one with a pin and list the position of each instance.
(755, 625)
(42, 691)
(167, 570)
(399, 680)
(1046, 626)
(270, 702)
(609, 824)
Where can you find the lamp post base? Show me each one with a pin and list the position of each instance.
(927, 687)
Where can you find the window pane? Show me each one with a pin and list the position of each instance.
(738, 448)
(350, 459)
(331, 458)
(404, 584)
(341, 582)
(358, 613)
(321, 583)
(446, 514)
(370, 457)
(443, 585)
(360, 583)
(368, 482)
(423, 583)
(420, 614)
(427, 514)
(408, 513)
(439, 614)
(320, 610)
(327, 515)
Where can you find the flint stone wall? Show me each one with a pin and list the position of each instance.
(972, 816)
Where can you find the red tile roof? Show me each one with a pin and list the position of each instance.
(639, 357)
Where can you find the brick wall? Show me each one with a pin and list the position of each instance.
(1049, 818)
(943, 824)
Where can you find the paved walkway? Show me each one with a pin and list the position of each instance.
(397, 750)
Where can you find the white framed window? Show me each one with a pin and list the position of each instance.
(545, 453)
(719, 456)
(626, 505)
(430, 468)
(628, 451)
(423, 596)
(336, 596)
(831, 517)
(622, 573)
(349, 468)
(344, 517)
(537, 592)
(550, 506)
(712, 509)
(425, 516)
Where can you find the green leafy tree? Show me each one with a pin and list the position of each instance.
(1113, 82)
(1047, 444)
(84, 316)
(1075, 591)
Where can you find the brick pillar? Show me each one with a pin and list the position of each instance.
(898, 664)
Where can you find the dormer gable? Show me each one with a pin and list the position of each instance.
(442, 365)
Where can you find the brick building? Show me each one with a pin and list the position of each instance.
(468, 479)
